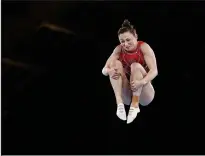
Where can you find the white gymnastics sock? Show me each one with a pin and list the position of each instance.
(132, 114)
(121, 113)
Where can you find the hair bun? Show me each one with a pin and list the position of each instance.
(126, 23)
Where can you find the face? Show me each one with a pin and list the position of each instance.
(128, 41)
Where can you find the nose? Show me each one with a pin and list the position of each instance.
(126, 44)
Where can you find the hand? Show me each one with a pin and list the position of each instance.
(113, 73)
(137, 84)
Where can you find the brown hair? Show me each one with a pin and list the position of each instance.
(127, 27)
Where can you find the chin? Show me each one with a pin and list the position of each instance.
(130, 49)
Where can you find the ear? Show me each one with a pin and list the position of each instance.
(136, 36)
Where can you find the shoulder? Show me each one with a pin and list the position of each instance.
(117, 49)
(143, 44)
(145, 47)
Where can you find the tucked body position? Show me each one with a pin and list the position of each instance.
(131, 68)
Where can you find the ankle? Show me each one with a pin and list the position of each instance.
(136, 105)
(119, 100)
(118, 104)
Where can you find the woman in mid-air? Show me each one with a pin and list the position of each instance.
(131, 68)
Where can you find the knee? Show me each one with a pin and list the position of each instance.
(136, 66)
(116, 64)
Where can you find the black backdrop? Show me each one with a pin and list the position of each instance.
(58, 102)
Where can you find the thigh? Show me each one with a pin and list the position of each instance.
(147, 94)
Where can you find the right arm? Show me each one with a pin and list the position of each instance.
(114, 56)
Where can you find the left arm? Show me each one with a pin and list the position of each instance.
(151, 62)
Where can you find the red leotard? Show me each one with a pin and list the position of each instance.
(127, 58)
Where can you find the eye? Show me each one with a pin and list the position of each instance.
(122, 41)
(127, 40)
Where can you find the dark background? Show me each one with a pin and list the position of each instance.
(55, 99)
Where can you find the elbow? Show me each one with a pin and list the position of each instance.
(156, 72)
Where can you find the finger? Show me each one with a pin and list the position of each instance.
(134, 89)
(115, 77)
(116, 74)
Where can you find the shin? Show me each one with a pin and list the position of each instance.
(136, 74)
(117, 84)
